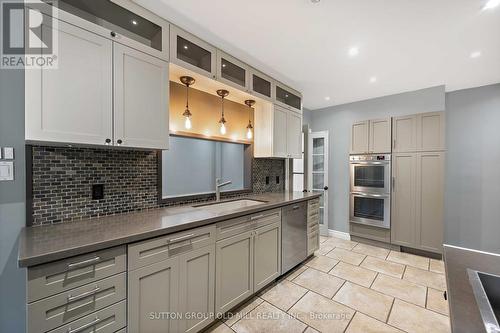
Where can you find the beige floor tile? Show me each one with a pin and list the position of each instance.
(402, 289)
(412, 318)
(363, 324)
(267, 318)
(242, 310)
(370, 250)
(320, 282)
(284, 294)
(437, 266)
(324, 248)
(359, 275)
(309, 329)
(426, 278)
(383, 266)
(346, 256)
(322, 263)
(323, 238)
(409, 259)
(342, 243)
(436, 301)
(296, 272)
(322, 313)
(365, 300)
(219, 328)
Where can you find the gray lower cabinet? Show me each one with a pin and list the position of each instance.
(267, 255)
(234, 270)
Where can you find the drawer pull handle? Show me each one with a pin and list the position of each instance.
(178, 239)
(81, 328)
(84, 262)
(82, 295)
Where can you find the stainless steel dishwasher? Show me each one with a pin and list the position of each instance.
(293, 235)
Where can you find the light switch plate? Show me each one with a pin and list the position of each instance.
(6, 171)
(8, 153)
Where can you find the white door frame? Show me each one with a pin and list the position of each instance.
(323, 229)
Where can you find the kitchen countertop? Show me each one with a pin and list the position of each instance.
(42, 244)
(464, 311)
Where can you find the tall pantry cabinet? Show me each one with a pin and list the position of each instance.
(418, 181)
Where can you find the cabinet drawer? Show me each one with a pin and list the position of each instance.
(154, 250)
(63, 308)
(107, 320)
(56, 277)
(246, 223)
(312, 242)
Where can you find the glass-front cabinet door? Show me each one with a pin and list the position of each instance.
(318, 174)
(288, 98)
(261, 85)
(192, 53)
(232, 71)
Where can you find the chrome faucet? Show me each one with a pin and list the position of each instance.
(218, 185)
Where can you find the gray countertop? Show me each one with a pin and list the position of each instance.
(464, 311)
(42, 244)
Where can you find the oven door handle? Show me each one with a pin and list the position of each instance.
(381, 196)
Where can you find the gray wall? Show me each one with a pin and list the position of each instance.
(338, 120)
(12, 203)
(472, 195)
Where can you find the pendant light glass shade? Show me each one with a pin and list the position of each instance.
(249, 103)
(187, 81)
(222, 122)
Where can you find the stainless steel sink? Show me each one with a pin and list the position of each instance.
(486, 288)
(228, 206)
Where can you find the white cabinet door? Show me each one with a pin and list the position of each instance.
(153, 292)
(232, 71)
(73, 103)
(431, 131)
(279, 131)
(294, 134)
(197, 288)
(359, 137)
(380, 136)
(141, 99)
(404, 134)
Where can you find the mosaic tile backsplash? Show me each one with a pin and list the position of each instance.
(63, 179)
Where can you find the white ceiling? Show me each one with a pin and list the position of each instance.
(405, 44)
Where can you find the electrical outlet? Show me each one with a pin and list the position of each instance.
(97, 191)
(8, 153)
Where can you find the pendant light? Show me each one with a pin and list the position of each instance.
(187, 81)
(249, 103)
(222, 93)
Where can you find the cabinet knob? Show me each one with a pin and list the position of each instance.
(108, 141)
(113, 34)
(325, 188)
(119, 142)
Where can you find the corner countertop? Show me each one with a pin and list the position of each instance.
(464, 311)
(42, 244)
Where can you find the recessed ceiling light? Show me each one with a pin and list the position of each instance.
(491, 4)
(475, 54)
(327, 98)
(373, 79)
(353, 51)
(134, 22)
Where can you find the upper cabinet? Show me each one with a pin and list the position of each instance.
(419, 132)
(371, 136)
(261, 85)
(278, 133)
(288, 98)
(232, 71)
(103, 93)
(192, 53)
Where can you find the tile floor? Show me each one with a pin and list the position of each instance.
(349, 287)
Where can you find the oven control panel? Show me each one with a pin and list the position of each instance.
(383, 157)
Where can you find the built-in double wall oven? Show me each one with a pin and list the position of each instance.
(370, 201)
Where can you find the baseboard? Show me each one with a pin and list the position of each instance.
(339, 234)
